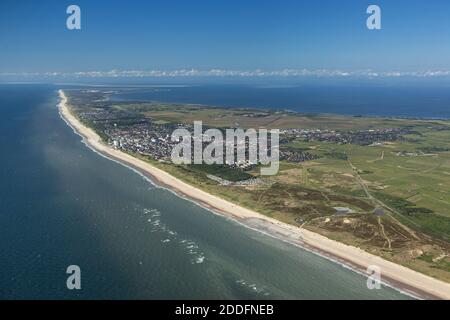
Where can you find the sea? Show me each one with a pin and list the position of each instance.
(405, 101)
(62, 204)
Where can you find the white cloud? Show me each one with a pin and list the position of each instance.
(229, 73)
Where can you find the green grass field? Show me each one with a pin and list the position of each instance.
(413, 188)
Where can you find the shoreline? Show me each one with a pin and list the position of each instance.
(401, 278)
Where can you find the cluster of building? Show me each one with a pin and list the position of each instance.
(297, 156)
(363, 137)
(146, 139)
(131, 132)
(247, 182)
(414, 154)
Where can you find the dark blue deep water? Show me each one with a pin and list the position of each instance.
(62, 204)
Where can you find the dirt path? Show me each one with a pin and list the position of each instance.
(377, 202)
(384, 233)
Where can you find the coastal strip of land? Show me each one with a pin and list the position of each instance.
(397, 276)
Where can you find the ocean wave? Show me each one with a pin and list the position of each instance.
(153, 216)
(259, 290)
(193, 249)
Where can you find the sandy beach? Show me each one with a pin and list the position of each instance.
(399, 277)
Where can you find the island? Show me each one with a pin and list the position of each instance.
(361, 191)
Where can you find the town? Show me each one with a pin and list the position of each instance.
(128, 129)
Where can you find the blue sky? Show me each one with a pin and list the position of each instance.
(225, 34)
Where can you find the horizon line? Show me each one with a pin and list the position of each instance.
(229, 73)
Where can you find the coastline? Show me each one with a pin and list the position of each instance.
(394, 275)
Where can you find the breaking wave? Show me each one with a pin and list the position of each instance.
(153, 217)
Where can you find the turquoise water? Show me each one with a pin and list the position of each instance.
(63, 204)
